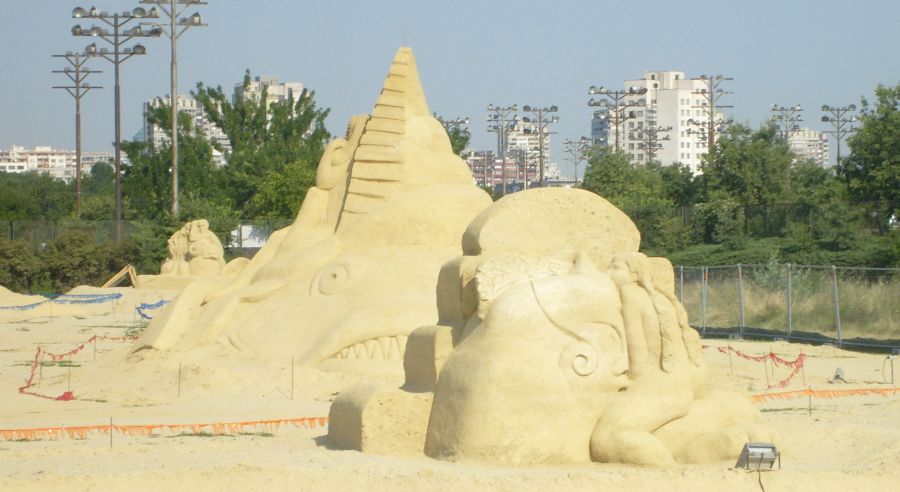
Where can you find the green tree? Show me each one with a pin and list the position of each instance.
(459, 139)
(268, 139)
(35, 196)
(872, 170)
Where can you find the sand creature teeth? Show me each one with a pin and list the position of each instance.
(381, 348)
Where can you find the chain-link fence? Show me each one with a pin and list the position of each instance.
(846, 306)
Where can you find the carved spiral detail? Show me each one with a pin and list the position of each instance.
(580, 357)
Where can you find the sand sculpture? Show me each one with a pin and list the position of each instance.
(561, 344)
(349, 280)
(194, 250)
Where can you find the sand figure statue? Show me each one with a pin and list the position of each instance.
(194, 250)
(349, 280)
(554, 346)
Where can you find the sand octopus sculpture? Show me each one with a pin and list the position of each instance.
(555, 346)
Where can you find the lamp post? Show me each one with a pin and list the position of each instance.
(449, 125)
(116, 36)
(174, 29)
(577, 152)
(839, 118)
(77, 73)
(711, 94)
(618, 102)
(789, 116)
(542, 118)
(500, 120)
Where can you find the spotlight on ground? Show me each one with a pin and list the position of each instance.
(758, 454)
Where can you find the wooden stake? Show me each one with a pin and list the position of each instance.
(810, 400)
(95, 344)
(730, 362)
(803, 371)
(292, 378)
(766, 370)
(179, 380)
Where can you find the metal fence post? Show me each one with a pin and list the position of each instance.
(703, 288)
(681, 284)
(837, 306)
(740, 299)
(790, 298)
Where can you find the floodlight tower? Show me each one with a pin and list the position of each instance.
(542, 117)
(116, 36)
(789, 116)
(839, 118)
(710, 104)
(577, 151)
(175, 27)
(77, 73)
(618, 102)
(653, 136)
(500, 120)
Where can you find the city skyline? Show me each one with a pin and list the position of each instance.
(469, 55)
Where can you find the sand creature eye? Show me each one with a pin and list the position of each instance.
(332, 279)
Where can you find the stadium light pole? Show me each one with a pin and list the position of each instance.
(711, 94)
(501, 119)
(175, 27)
(652, 140)
(618, 102)
(77, 73)
(788, 116)
(116, 36)
(839, 118)
(542, 118)
(577, 151)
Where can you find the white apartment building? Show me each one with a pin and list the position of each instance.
(275, 90)
(672, 100)
(58, 163)
(155, 135)
(810, 144)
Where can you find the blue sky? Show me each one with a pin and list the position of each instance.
(469, 53)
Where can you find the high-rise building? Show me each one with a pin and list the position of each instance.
(669, 126)
(810, 144)
(57, 163)
(155, 135)
(275, 90)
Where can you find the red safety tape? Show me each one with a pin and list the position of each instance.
(68, 395)
(835, 393)
(81, 432)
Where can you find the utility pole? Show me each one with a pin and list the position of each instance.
(542, 119)
(77, 73)
(651, 140)
(174, 29)
(711, 94)
(117, 37)
(500, 120)
(839, 118)
(618, 102)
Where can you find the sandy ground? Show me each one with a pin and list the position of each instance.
(848, 443)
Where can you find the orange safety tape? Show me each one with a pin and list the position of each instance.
(81, 432)
(835, 393)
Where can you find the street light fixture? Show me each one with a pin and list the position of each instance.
(652, 140)
(618, 102)
(839, 118)
(788, 116)
(500, 120)
(176, 26)
(542, 120)
(116, 36)
(77, 73)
